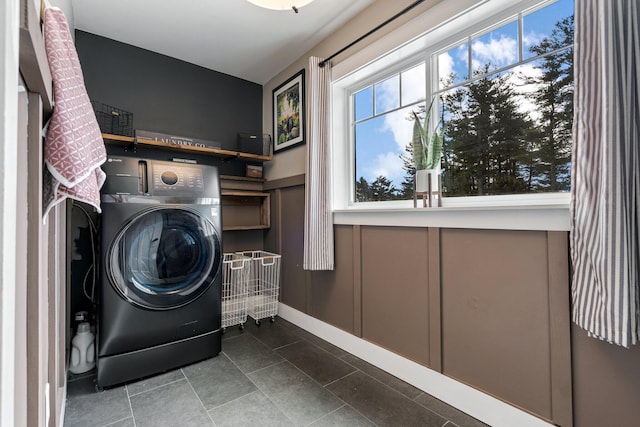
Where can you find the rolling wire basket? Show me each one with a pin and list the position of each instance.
(235, 275)
(263, 284)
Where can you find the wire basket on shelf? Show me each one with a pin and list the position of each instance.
(113, 120)
(235, 276)
(264, 285)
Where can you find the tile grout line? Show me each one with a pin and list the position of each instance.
(199, 400)
(258, 370)
(159, 386)
(260, 389)
(345, 403)
(341, 378)
(325, 415)
(249, 334)
(329, 391)
(235, 399)
(298, 338)
(437, 412)
(117, 421)
(323, 349)
(285, 346)
(324, 386)
(401, 393)
(389, 387)
(126, 388)
(284, 360)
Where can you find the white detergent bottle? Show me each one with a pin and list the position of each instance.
(82, 350)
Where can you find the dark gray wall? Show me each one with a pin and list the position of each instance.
(171, 96)
(168, 95)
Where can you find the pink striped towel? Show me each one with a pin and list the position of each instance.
(74, 149)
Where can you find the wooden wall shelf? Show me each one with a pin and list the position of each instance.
(241, 178)
(244, 206)
(245, 210)
(141, 142)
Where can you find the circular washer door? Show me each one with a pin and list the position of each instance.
(164, 258)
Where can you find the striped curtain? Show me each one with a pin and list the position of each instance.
(318, 220)
(605, 203)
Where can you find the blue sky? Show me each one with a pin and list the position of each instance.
(380, 140)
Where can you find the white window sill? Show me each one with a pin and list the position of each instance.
(550, 217)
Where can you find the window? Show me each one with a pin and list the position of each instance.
(502, 96)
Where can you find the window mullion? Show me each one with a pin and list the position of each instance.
(520, 39)
(469, 59)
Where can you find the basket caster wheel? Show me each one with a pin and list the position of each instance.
(257, 322)
(242, 326)
(273, 319)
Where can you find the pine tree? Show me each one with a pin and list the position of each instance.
(486, 138)
(382, 189)
(554, 99)
(407, 184)
(363, 192)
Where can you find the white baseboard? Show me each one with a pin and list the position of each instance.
(479, 405)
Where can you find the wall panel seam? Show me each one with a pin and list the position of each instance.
(435, 299)
(357, 281)
(559, 329)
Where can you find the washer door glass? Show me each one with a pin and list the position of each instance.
(164, 258)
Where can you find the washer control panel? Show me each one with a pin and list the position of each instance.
(145, 177)
(172, 178)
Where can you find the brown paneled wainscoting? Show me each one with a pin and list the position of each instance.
(489, 308)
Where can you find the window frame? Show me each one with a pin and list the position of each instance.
(462, 27)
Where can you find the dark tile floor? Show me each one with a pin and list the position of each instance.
(273, 375)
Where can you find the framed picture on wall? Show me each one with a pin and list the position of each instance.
(288, 113)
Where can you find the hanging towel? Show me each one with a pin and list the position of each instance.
(73, 149)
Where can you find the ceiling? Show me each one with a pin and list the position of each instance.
(231, 36)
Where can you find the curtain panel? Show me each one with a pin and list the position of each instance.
(318, 218)
(606, 170)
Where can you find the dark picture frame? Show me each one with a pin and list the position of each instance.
(288, 113)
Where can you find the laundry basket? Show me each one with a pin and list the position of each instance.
(264, 285)
(235, 274)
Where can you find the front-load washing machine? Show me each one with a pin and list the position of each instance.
(160, 288)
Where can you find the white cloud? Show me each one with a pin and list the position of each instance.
(497, 52)
(445, 64)
(400, 127)
(462, 53)
(413, 84)
(387, 94)
(388, 165)
(531, 38)
(516, 78)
